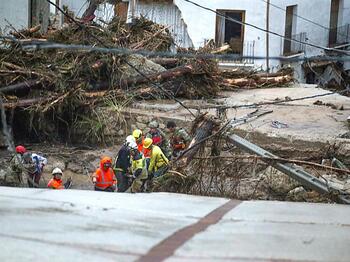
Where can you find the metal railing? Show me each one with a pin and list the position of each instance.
(294, 47)
(339, 35)
(248, 48)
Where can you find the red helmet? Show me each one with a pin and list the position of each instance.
(21, 149)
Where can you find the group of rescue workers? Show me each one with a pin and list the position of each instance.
(141, 158)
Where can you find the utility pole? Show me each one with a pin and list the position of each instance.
(133, 7)
(268, 36)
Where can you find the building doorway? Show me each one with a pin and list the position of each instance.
(333, 24)
(229, 32)
(290, 28)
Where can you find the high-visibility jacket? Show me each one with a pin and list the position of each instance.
(140, 145)
(146, 152)
(158, 159)
(104, 177)
(55, 184)
(139, 166)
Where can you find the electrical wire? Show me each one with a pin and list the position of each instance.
(296, 15)
(264, 30)
(38, 45)
(255, 105)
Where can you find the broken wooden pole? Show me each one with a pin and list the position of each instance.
(298, 174)
(203, 127)
(166, 62)
(25, 102)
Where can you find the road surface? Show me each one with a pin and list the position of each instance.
(74, 225)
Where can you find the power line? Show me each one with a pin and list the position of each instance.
(301, 17)
(266, 31)
(166, 92)
(254, 105)
(296, 15)
(38, 45)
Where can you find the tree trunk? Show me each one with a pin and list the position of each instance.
(90, 11)
(20, 86)
(158, 77)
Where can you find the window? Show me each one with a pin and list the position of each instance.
(333, 25)
(290, 28)
(230, 32)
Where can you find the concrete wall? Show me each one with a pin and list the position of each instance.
(16, 12)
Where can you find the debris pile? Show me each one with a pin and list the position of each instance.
(247, 79)
(52, 76)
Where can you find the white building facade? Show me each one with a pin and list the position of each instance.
(307, 21)
(322, 23)
(22, 14)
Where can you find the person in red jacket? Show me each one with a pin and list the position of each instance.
(104, 178)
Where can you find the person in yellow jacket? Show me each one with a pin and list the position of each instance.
(138, 170)
(159, 162)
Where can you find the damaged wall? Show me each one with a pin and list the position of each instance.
(167, 14)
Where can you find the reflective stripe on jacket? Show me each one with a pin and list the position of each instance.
(104, 179)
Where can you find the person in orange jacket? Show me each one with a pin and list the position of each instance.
(104, 178)
(56, 182)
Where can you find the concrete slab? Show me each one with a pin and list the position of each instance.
(305, 120)
(274, 231)
(73, 225)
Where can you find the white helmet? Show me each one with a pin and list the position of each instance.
(57, 171)
(130, 140)
(132, 145)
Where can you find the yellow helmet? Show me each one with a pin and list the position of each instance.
(137, 134)
(147, 142)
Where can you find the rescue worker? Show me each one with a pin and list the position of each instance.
(138, 170)
(159, 138)
(137, 134)
(13, 176)
(104, 178)
(159, 162)
(123, 163)
(34, 165)
(179, 138)
(56, 182)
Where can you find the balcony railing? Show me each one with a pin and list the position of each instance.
(294, 47)
(248, 48)
(339, 35)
